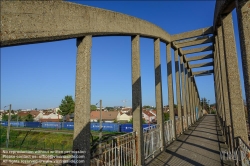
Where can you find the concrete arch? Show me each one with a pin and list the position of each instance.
(24, 22)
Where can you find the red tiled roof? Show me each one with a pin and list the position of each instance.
(111, 115)
(148, 113)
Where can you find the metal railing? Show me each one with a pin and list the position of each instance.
(243, 152)
(118, 151)
(169, 131)
(152, 140)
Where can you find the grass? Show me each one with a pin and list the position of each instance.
(27, 139)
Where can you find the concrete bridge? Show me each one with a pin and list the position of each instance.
(24, 22)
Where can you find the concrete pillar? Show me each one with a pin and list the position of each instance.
(158, 90)
(190, 95)
(170, 86)
(178, 91)
(81, 138)
(187, 90)
(224, 76)
(218, 102)
(220, 92)
(137, 98)
(183, 85)
(243, 15)
(233, 79)
(193, 94)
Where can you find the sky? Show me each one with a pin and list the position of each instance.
(41, 75)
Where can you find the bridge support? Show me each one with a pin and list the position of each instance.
(183, 84)
(81, 138)
(243, 15)
(233, 79)
(137, 98)
(158, 90)
(178, 92)
(170, 87)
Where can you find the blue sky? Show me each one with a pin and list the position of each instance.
(40, 75)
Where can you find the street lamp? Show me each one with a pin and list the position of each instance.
(8, 129)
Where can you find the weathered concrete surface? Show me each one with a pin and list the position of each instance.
(201, 57)
(158, 89)
(200, 145)
(202, 65)
(224, 76)
(233, 79)
(219, 79)
(243, 15)
(25, 22)
(81, 138)
(137, 98)
(195, 42)
(170, 86)
(183, 86)
(178, 90)
(203, 72)
(187, 90)
(190, 34)
(201, 49)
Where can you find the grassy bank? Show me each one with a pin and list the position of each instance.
(34, 139)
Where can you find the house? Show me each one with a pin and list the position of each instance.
(107, 116)
(148, 116)
(50, 116)
(124, 117)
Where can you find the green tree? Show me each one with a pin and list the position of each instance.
(204, 103)
(67, 106)
(166, 116)
(93, 107)
(29, 118)
(5, 117)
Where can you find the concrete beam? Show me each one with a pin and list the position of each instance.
(195, 42)
(48, 24)
(198, 75)
(202, 65)
(201, 57)
(203, 72)
(190, 34)
(201, 49)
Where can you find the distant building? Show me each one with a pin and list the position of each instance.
(109, 116)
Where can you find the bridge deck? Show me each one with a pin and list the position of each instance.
(200, 145)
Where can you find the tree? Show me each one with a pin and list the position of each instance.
(5, 117)
(166, 116)
(204, 101)
(67, 106)
(29, 118)
(93, 107)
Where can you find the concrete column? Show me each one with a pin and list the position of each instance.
(170, 86)
(137, 99)
(190, 95)
(217, 83)
(224, 76)
(193, 94)
(187, 90)
(233, 79)
(158, 90)
(183, 83)
(243, 15)
(81, 138)
(178, 91)
(220, 92)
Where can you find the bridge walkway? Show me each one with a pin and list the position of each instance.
(200, 145)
